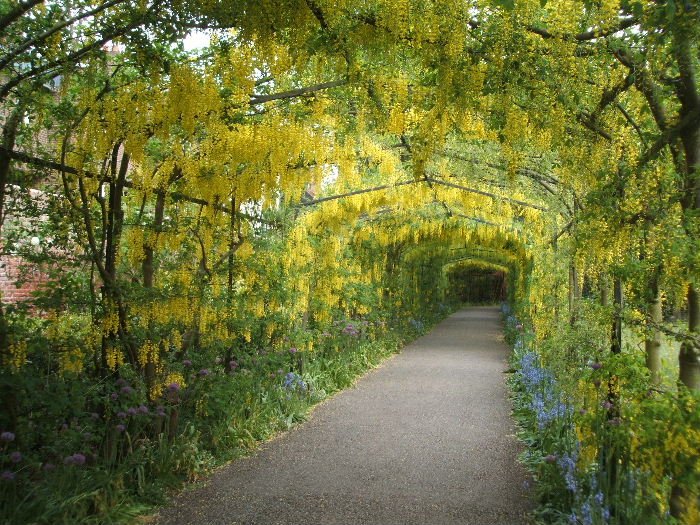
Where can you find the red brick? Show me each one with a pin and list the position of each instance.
(11, 268)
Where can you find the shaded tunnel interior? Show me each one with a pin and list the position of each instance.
(477, 284)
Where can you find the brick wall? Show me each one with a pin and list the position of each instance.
(11, 269)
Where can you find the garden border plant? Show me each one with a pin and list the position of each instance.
(222, 415)
(597, 459)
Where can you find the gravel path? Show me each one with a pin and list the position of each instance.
(426, 438)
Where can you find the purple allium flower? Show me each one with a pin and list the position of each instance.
(127, 390)
(131, 411)
(7, 475)
(121, 415)
(120, 428)
(233, 364)
(596, 383)
(7, 437)
(143, 409)
(114, 396)
(174, 387)
(607, 405)
(121, 382)
(16, 456)
(78, 459)
(160, 412)
(596, 366)
(583, 411)
(350, 330)
(550, 458)
(203, 372)
(293, 350)
(187, 362)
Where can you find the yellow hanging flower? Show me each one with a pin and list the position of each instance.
(18, 355)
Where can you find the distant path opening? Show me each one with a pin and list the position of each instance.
(424, 439)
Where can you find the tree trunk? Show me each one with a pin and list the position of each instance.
(148, 279)
(112, 236)
(393, 255)
(609, 453)
(604, 291)
(689, 97)
(689, 356)
(616, 337)
(9, 134)
(689, 375)
(652, 344)
(233, 239)
(574, 292)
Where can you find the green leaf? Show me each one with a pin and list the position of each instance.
(508, 5)
(670, 10)
(637, 9)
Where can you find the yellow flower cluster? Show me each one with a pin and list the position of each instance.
(17, 355)
(158, 389)
(115, 357)
(71, 360)
(149, 352)
(110, 322)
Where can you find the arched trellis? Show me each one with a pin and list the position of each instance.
(428, 180)
(449, 209)
(492, 264)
